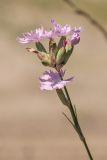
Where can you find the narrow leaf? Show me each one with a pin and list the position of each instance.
(62, 97)
(40, 47)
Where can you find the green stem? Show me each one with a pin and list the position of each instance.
(75, 120)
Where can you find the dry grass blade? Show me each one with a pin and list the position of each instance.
(88, 17)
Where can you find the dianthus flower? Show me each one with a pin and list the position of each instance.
(51, 80)
(33, 36)
(49, 34)
(56, 57)
(60, 30)
(57, 31)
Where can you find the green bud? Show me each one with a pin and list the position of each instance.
(40, 47)
(42, 55)
(60, 56)
(61, 42)
(46, 61)
(69, 50)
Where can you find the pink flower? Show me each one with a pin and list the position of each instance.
(76, 30)
(49, 34)
(51, 80)
(60, 30)
(33, 36)
(57, 31)
(75, 37)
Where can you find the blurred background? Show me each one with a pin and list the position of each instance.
(32, 126)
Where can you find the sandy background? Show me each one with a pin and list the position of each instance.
(32, 126)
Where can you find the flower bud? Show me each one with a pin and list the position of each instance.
(69, 50)
(60, 56)
(61, 42)
(46, 61)
(43, 56)
(75, 39)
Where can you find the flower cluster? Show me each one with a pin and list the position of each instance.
(57, 55)
(57, 31)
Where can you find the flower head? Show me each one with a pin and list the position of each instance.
(49, 34)
(33, 36)
(60, 30)
(51, 80)
(58, 53)
(57, 31)
(76, 30)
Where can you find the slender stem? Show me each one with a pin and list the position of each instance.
(75, 120)
(87, 149)
(78, 126)
(71, 106)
